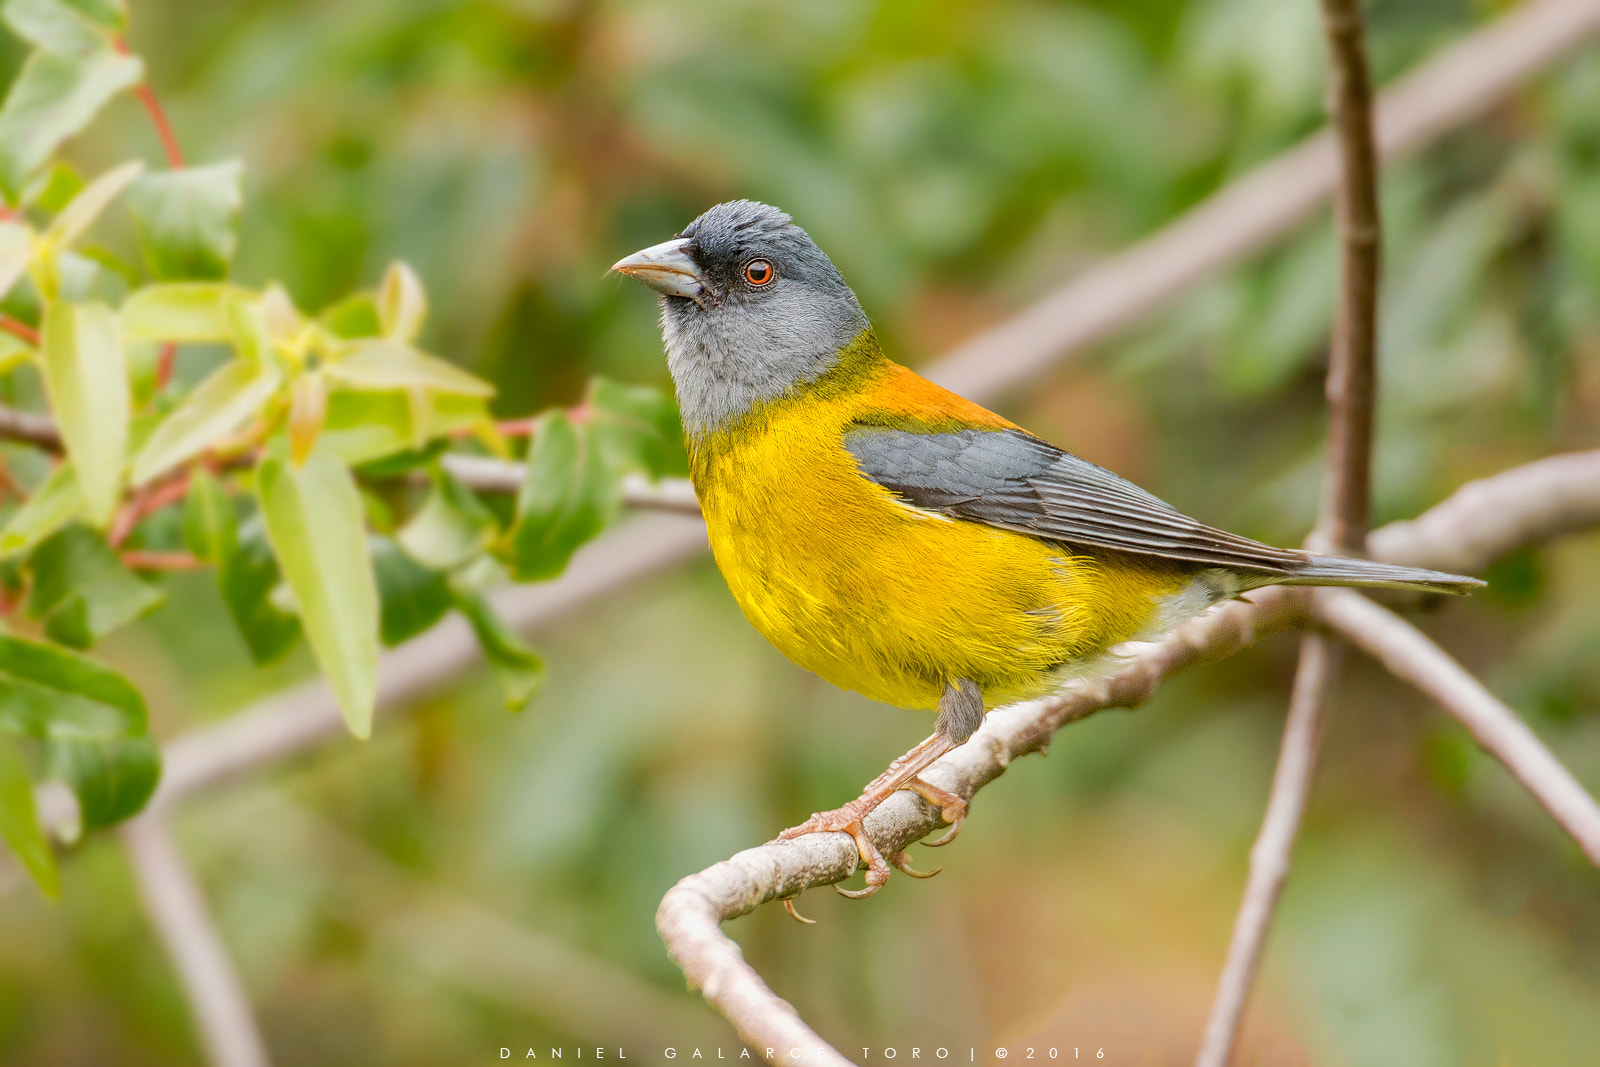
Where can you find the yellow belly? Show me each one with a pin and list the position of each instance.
(891, 601)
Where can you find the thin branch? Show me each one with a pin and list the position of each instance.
(19, 329)
(29, 428)
(1458, 84)
(1269, 857)
(1341, 522)
(489, 475)
(1506, 511)
(1352, 377)
(178, 911)
(1409, 654)
(158, 117)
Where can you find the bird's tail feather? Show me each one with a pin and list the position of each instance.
(1366, 573)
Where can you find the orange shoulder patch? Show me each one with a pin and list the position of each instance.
(904, 399)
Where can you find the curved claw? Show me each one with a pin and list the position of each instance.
(902, 863)
(788, 906)
(858, 894)
(950, 834)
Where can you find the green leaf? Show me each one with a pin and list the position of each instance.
(14, 352)
(55, 503)
(83, 209)
(401, 463)
(362, 425)
(49, 691)
(519, 669)
(402, 304)
(63, 26)
(637, 428)
(354, 316)
(87, 378)
(246, 578)
(19, 822)
(81, 589)
(210, 526)
(230, 395)
(568, 497)
(248, 324)
(16, 249)
(112, 777)
(185, 219)
(451, 528)
(387, 365)
(314, 521)
(53, 189)
(179, 311)
(413, 597)
(53, 98)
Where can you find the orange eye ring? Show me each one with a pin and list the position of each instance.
(759, 272)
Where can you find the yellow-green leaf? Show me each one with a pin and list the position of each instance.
(55, 503)
(83, 209)
(232, 393)
(14, 352)
(387, 365)
(402, 303)
(178, 311)
(315, 523)
(52, 98)
(86, 375)
(19, 822)
(16, 249)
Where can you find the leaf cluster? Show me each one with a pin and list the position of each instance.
(301, 464)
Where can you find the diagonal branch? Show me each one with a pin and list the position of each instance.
(1411, 656)
(1503, 512)
(1269, 856)
(1456, 85)
(178, 912)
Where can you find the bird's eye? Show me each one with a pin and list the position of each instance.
(758, 272)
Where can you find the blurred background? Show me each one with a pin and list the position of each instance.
(470, 880)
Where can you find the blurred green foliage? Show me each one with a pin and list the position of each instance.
(955, 159)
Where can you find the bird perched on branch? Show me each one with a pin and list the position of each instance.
(899, 540)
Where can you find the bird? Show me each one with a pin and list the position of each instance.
(899, 540)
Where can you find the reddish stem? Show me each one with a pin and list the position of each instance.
(141, 560)
(516, 427)
(145, 502)
(21, 329)
(158, 117)
(169, 352)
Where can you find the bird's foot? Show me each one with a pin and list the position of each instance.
(952, 809)
(847, 820)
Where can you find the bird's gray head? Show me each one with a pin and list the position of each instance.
(750, 307)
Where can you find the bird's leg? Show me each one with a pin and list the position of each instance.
(957, 721)
(960, 715)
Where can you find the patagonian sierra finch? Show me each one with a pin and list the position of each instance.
(899, 540)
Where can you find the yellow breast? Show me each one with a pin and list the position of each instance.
(886, 599)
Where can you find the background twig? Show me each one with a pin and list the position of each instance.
(1342, 519)
(181, 920)
(1411, 656)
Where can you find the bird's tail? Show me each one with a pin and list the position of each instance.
(1368, 574)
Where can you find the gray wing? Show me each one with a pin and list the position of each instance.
(1014, 481)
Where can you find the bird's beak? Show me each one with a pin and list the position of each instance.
(666, 268)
